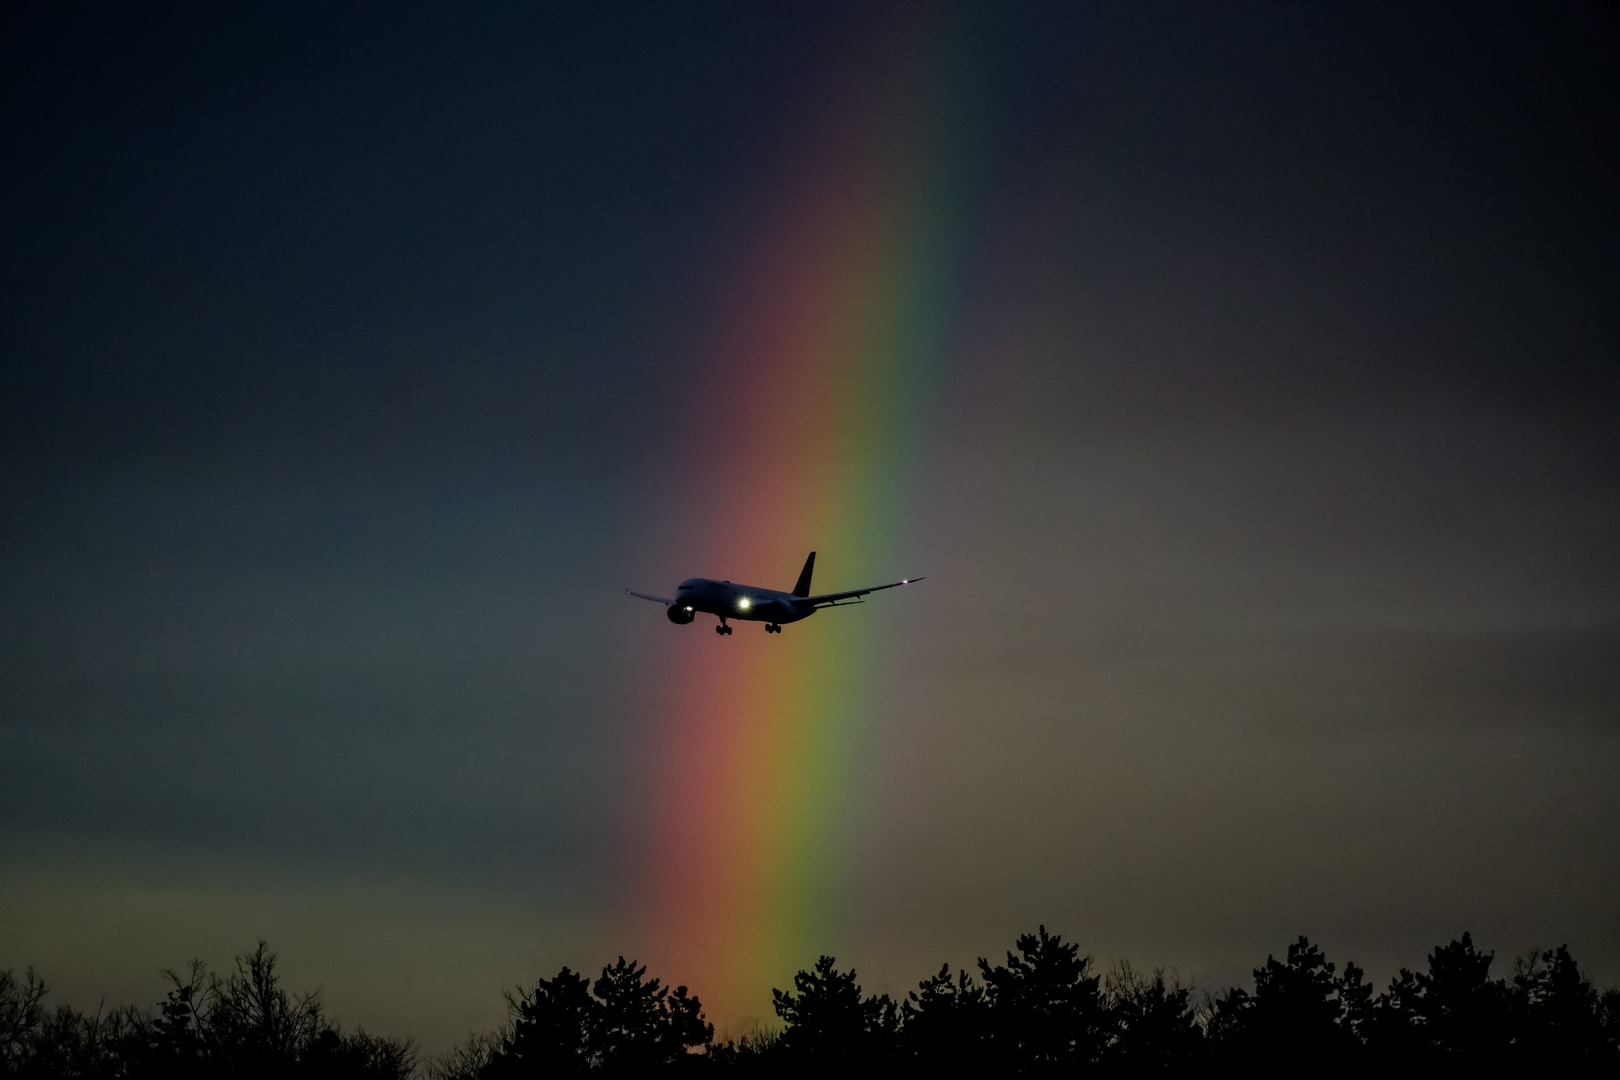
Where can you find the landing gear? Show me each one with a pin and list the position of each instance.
(772, 628)
(722, 629)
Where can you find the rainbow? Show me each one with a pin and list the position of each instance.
(829, 360)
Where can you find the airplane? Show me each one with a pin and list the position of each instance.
(746, 603)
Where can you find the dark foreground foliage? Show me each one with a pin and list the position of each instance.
(1046, 1011)
(241, 1025)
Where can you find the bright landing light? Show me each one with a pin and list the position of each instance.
(745, 603)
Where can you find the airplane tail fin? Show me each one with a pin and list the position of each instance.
(802, 587)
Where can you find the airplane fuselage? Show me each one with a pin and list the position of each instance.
(745, 603)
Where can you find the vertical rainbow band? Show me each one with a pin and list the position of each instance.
(828, 363)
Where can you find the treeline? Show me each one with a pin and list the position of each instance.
(1046, 1012)
(244, 1024)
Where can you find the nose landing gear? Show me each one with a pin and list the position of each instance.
(772, 628)
(722, 629)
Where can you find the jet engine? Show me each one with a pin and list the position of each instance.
(679, 615)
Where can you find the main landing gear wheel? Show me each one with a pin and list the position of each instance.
(722, 629)
(772, 628)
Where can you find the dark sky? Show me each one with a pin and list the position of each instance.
(354, 358)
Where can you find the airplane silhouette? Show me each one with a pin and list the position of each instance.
(747, 603)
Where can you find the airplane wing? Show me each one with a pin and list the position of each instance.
(644, 596)
(831, 599)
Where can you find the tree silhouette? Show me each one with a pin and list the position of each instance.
(1560, 1016)
(1151, 1023)
(1454, 1012)
(641, 1024)
(1395, 1031)
(67, 1043)
(256, 1026)
(630, 1025)
(550, 1029)
(22, 1012)
(1045, 1005)
(828, 1021)
(176, 1040)
(1463, 1010)
(1609, 1020)
(946, 1023)
(1299, 1011)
